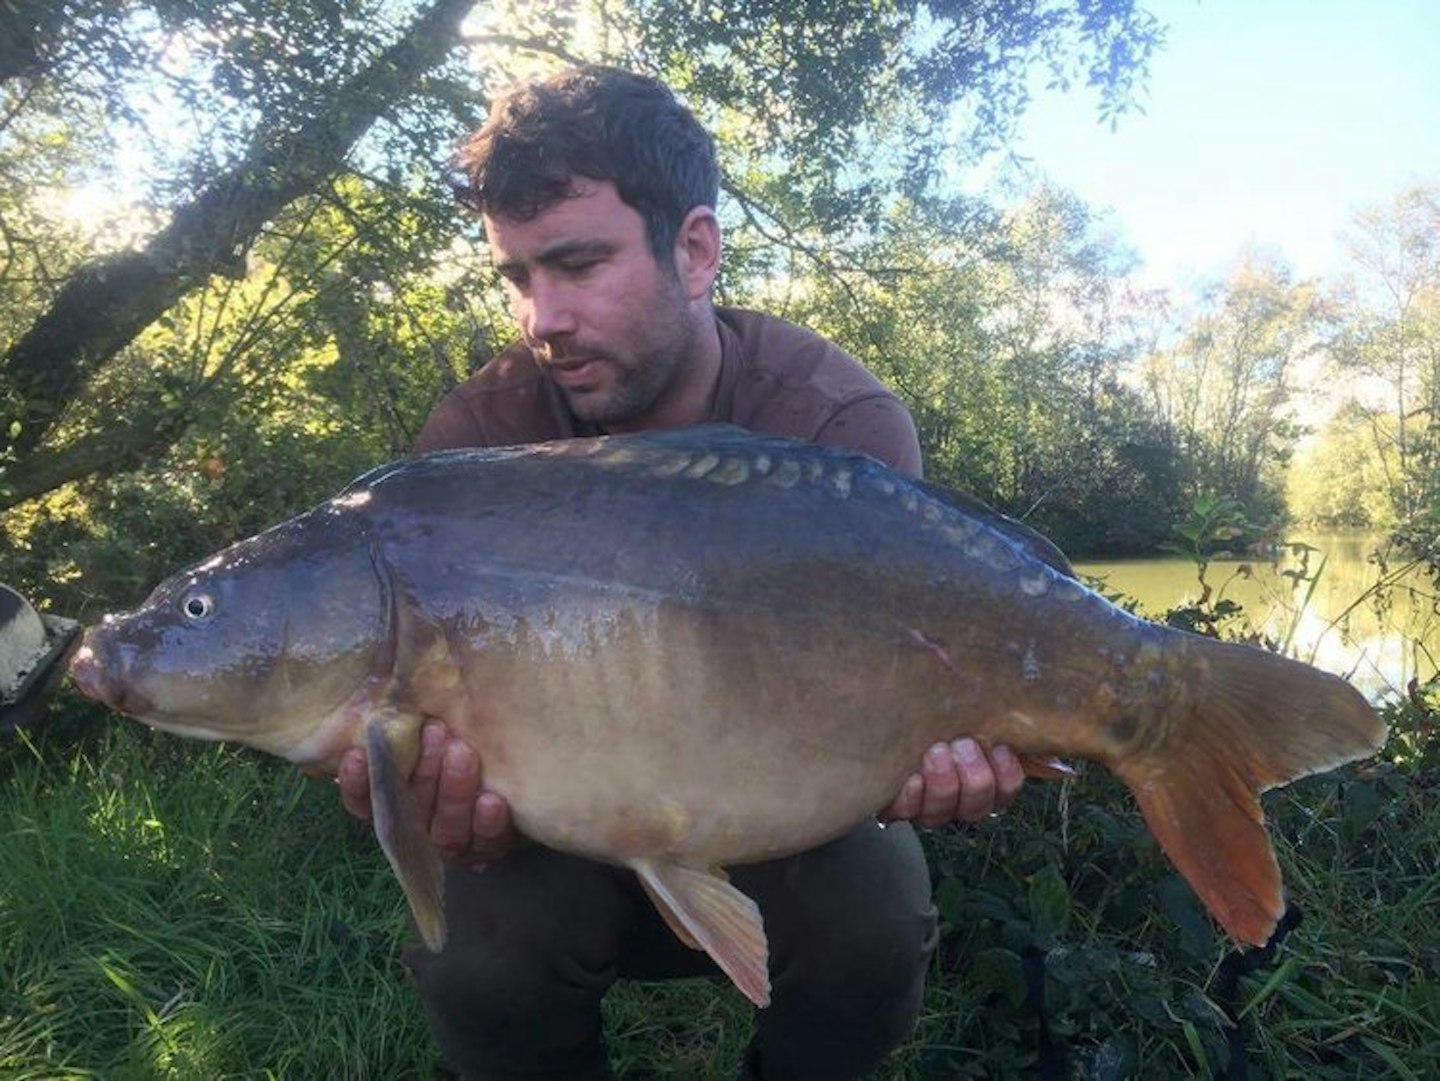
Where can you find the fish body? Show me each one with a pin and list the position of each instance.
(688, 649)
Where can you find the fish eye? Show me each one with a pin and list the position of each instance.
(198, 607)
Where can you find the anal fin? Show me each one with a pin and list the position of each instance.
(403, 837)
(672, 920)
(1046, 767)
(708, 913)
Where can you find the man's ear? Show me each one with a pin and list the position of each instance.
(697, 252)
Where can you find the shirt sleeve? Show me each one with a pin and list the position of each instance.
(880, 427)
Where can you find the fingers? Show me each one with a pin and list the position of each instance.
(958, 782)
(1009, 776)
(976, 779)
(456, 789)
(470, 825)
(353, 774)
(425, 777)
(353, 777)
(907, 804)
(943, 791)
(492, 828)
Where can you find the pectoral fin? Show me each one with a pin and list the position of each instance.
(402, 835)
(708, 913)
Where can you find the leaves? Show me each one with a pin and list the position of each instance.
(107, 303)
(1130, 976)
(1048, 902)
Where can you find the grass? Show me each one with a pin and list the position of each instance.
(191, 912)
(173, 910)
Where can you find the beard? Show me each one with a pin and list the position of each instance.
(639, 380)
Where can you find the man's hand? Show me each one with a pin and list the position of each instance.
(957, 783)
(468, 823)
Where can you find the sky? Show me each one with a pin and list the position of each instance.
(1266, 122)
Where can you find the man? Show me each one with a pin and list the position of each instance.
(598, 194)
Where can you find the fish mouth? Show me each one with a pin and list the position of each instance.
(95, 679)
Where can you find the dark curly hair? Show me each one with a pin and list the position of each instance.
(597, 122)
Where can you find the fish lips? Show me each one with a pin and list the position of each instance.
(96, 680)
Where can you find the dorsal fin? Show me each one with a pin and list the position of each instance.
(1036, 544)
(720, 437)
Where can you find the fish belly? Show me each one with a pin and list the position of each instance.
(717, 734)
(725, 664)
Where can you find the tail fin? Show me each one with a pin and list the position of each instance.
(1260, 721)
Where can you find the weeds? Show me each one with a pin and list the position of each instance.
(1128, 966)
(173, 913)
(176, 911)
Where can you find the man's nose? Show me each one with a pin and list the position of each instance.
(549, 312)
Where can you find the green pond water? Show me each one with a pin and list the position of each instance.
(1379, 640)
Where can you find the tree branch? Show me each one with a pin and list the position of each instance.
(107, 303)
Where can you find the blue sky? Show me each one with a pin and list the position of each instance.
(1266, 122)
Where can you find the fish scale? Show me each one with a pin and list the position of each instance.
(741, 645)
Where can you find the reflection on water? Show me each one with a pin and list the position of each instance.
(1378, 639)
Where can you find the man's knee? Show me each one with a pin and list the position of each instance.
(840, 1009)
(517, 978)
(517, 989)
(510, 1016)
(870, 965)
(861, 904)
(852, 928)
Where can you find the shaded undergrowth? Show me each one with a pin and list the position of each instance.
(171, 910)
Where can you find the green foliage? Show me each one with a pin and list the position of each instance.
(1067, 896)
(1338, 481)
(1112, 484)
(108, 543)
(1391, 333)
(171, 910)
(144, 935)
(993, 330)
(1223, 390)
(1217, 528)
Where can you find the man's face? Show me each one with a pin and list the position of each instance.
(610, 324)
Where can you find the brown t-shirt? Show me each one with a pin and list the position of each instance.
(775, 377)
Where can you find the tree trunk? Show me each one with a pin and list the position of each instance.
(107, 303)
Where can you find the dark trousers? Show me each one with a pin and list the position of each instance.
(538, 937)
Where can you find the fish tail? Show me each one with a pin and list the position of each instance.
(1259, 720)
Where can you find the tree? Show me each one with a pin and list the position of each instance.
(104, 305)
(1337, 479)
(1003, 335)
(291, 282)
(830, 109)
(1391, 334)
(1224, 387)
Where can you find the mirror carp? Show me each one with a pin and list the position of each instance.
(687, 649)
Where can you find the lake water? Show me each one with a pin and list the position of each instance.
(1377, 641)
